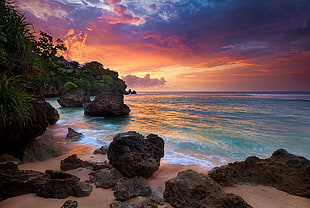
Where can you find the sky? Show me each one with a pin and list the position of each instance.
(185, 45)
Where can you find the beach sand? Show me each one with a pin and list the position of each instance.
(256, 196)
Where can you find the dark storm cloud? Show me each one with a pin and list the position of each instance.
(234, 24)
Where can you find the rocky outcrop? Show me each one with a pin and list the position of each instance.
(15, 182)
(102, 150)
(73, 98)
(73, 135)
(73, 162)
(107, 104)
(127, 188)
(17, 137)
(134, 155)
(191, 189)
(105, 179)
(284, 171)
(62, 185)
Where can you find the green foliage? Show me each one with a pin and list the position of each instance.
(70, 86)
(46, 47)
(15, 105)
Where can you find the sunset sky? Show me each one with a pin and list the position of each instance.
(203, 45)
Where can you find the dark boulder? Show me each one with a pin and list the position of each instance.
(15, 182)
(73, 135)
(105, 179)
(284, 171)
(107, 104)
(72, 162)
(73, 98)
(134, 155)
(191, 189)
(127, 188)
(70, 204)
(62, 185)
(16, 137)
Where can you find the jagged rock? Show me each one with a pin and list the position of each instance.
(107, 104)
(134, 155)
(17, 137)
(72, 162)
(52, 115)
(70, 204)
(105, 179)
(191, 189)
(284, 171)
(123, 205)
(126, 188)
(102, 150)
(73, 135)
(62, 185)
(152, 202)
(14, 182)
(73, 98)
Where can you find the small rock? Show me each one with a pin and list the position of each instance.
(102, 150)
(123, 205)
(70, 204)
(72, 162)
(152, 202)
(105, 179)
(126, 188)
(73, 135)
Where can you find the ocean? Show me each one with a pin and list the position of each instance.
(204, 128)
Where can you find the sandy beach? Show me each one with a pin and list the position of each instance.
(256, 196)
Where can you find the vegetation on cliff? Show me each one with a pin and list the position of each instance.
(29, 67)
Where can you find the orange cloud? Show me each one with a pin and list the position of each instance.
(76, 44)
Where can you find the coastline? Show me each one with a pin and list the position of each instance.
(256, 196)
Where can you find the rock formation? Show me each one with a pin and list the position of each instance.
(73, 135)
(284, 171)
(17, 137)
(134, 155)
(191, 189)
(62, 185)
(15, 182)
(73, 98)
(105, 179)
(126, 188)
(107, 104)
(72, 162)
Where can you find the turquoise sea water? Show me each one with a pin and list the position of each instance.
(208, 129)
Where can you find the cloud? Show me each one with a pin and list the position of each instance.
(75, 43)
(146, 81)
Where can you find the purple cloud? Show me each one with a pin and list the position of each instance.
(146, 81)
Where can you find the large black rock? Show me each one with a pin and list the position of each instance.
(62, 185)
(284, 171)
(107, 104)
(14, 182)
(134, 155)
(191, 189)
(73, 98)
(15, 138)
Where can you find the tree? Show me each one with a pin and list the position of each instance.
(47, 48)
